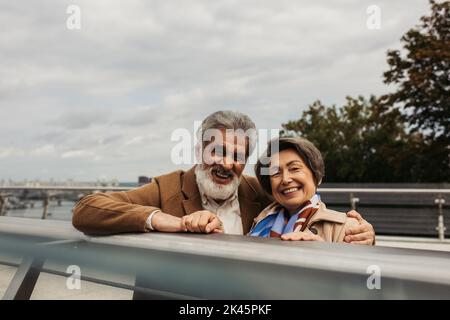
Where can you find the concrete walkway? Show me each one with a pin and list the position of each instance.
(53, 287)
(6, 275)
(413, 243)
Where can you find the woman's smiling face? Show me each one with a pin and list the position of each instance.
(291, 180)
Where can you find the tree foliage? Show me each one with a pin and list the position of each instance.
(422, 74)
(403, 136)
(362, 141)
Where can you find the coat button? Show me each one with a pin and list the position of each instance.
(313, 230)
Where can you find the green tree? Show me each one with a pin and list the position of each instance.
(360, 142)
(403, 136)
(421, 74)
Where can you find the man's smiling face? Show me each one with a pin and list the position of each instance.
(223, 161)
(225, 155)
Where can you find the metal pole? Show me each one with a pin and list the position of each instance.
(441, 227)
(22, 285)
(46, 203)
(2, 205)
(353, 201)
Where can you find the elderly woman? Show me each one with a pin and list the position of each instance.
(291, 176)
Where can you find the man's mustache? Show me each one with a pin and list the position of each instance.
(222, 171)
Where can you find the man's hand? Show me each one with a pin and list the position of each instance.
(301, 236)
(166, 222)
(362, 234)
(201, 222)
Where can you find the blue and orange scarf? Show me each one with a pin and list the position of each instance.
(278, 222)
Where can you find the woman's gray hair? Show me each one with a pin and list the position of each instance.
(229, 120)
(307, 151)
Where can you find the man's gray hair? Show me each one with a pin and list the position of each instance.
(230, 120)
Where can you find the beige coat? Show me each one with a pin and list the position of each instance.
(326, 223)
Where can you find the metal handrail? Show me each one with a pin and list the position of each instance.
(337, 190)
(439, 201)
(221, 266)
(383, 190)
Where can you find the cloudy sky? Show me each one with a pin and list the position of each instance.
(102, 102)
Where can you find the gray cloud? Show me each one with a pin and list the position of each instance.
(103, 101)
(79, 120)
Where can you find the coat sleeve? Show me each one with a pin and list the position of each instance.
(340, 234)
(117, 212)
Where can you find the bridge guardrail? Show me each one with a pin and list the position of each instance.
(437, 201)
(179, 266)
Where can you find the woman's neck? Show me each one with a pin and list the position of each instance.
(293, 211)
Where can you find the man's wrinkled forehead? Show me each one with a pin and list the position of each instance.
(231, 138)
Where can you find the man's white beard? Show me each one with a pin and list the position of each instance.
(214, 190)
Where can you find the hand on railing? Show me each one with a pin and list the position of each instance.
(202, 222)
(198, 222)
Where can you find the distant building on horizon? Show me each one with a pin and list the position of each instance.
(144, 180)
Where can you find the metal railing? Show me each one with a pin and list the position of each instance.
(217, 266)
(438, 201)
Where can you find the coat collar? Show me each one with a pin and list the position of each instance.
(248, 203)
(322, 214)
(190, 188)
(193, 201)
(247, 195)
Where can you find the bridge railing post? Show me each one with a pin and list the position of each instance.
(2, 205)
(46, 203)
(353, 201)
(441, 226)
(22, 285)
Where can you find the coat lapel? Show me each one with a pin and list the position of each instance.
(193, 201)
(324, 214)
(250, 207)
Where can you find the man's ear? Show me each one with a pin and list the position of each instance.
(198, 153)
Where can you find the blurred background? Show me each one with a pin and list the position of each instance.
(92, 91)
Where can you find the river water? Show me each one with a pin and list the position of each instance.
(55, 212)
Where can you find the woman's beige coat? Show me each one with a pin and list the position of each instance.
(326, 223)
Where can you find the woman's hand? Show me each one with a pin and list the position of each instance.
(301, 235)
(201, 222)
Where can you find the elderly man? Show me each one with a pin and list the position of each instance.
(213, 196)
